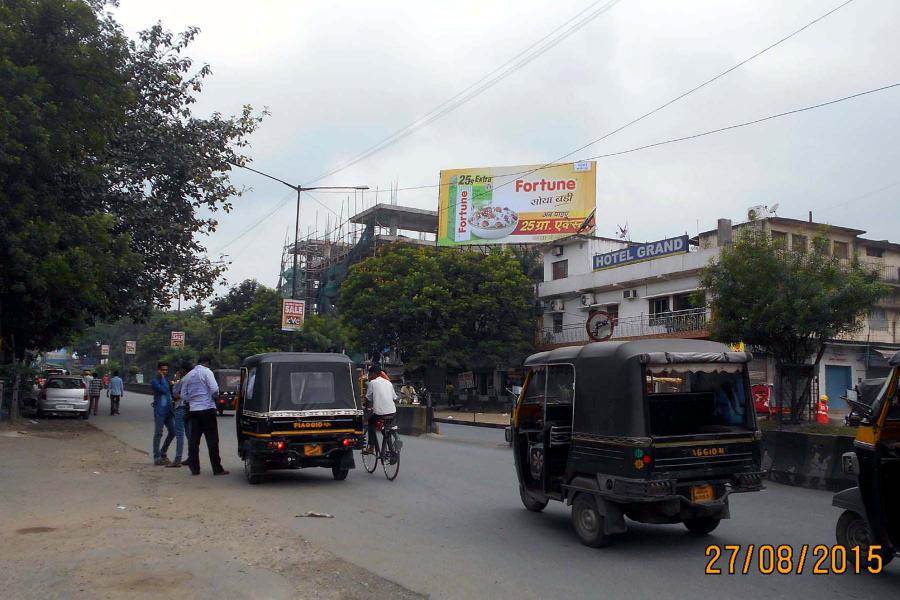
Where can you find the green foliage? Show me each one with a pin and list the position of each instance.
(107, 179)
(789, 303)
(440, 307)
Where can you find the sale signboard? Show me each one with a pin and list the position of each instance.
(516, 205)
(104, 350)
(176, 340)
(131, 347)
(292, 313)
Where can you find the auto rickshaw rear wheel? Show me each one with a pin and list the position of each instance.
(701, 525)
(589, 524)
(852, 531)
(530, 502)
(253, 468)
(339, 473)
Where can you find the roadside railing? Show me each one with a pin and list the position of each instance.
(688, 322)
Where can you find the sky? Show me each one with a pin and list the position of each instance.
(340, 76)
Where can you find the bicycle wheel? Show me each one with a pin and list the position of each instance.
(391, 459)
(370, 461)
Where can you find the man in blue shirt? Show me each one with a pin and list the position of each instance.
(199, 389)
(162, 414)
(114, 391)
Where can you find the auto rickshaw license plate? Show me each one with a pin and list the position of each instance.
(702, 493)
(314, 450)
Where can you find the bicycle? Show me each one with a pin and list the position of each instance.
(388, 453)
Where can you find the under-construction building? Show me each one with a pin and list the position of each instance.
(323, 260)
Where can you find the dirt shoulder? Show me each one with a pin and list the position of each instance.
(84, 516)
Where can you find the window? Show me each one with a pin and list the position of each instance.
(878, 319)
(874, 252)
(659, 306)
(64, 384)
(841, 250)
(798, 242)
(779, 238)
(557, 322)
(688, 301)
(561, 269)
(560, 384)
(534, 393)
(613, 311)
(312, 387)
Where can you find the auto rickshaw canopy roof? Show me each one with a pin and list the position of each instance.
(609, 378)
(299, 381)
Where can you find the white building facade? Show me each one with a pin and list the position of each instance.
(656, 292)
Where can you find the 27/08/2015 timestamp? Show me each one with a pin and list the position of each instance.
(785, 560)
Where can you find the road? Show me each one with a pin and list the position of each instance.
(452, 526)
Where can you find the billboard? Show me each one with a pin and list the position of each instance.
(104, 350)
(176, 340)
(516, 205)
(131, 347)
(292, 312)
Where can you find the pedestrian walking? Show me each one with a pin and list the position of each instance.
(162, 414)
(86, 379)
(199, 388)
(450, 400)
(179, 408)
(114, 392)
(94, 390)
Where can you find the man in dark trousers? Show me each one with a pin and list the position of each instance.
(198, 389)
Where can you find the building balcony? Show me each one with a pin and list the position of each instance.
(886, 273)
(691, 323)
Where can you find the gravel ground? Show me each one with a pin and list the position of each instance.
(84, 516)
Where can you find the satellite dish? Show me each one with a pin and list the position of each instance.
(773, 209)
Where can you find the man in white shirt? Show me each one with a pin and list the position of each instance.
(381, 395)
(198, 389)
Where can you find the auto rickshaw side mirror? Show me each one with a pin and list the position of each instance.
(849, 463)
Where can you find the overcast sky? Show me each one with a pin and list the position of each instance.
(339, 76)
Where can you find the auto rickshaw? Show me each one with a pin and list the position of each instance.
(659, 431)
(871, 517)
(297, 410)
(228, 380)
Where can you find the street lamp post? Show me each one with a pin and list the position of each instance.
(299, 189)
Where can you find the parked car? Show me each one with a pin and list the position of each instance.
(63, 394)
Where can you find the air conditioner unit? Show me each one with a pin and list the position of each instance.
(630, 294)
(557, 250)
(557, 306)
(587, 300)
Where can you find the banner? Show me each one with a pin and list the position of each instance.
(131, 347)
(176, 340)
(292, 312)
(104, 350)
(516, 205)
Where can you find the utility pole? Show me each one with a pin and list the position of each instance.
(299, 189)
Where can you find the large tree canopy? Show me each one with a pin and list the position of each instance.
(440, 307)
(788, 303)
(108, 181)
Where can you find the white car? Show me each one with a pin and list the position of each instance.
(63, 394)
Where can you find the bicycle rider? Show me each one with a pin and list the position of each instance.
(381, 396)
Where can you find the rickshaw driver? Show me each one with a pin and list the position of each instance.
(381, 396)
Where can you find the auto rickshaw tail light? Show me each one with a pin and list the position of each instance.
(347, 442)
(276, 445)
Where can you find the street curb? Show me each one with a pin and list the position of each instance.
(470, 423)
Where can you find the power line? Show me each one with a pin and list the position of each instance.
(861, 197)
(536, 49)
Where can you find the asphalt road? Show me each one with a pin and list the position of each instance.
(452, 526)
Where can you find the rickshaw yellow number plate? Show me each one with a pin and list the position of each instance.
(702, 493)
(316, 450)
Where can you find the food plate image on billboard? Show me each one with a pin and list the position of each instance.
(523, 204)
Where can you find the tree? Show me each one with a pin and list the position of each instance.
(788, 303)
(107, 178)
(440, 307)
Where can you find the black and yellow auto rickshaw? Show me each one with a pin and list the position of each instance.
(659, 431)
(871, 517)
(296, 410)
(228, 381)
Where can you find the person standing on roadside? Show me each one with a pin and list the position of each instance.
(162, 413)
(179, 408)
(94, 390)
(114, 392)
(198, 389)
(86, 380)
